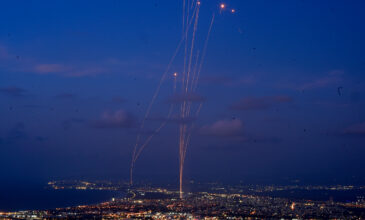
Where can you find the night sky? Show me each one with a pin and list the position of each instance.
(282, 85)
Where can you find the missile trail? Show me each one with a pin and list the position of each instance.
(193, 60)
(137, 145)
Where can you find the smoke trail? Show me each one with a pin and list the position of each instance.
(137, 152)
(191, 50)
(204, 50)
(159, 128)
(134, 155)
(192, 66)
(185, 132)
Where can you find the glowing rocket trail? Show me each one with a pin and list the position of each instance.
(137, 147)
(189, 84)
(192, 66)
(204, 51)
(190, 78)
(136, 152)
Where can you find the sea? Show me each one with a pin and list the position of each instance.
(41, 197)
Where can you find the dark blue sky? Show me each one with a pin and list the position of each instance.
(283, 83)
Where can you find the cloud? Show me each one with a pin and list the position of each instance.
(174, 119)
(17, 133)
(117, 119)
(180, 120)
(223, 128)
(119, 99)
(67, 124)
(67, 70)
(228, 81)
(78, 68)
(49, 68)
(217, 79)
(4, 53)
(40, 138)
(265, 140)
(13, 63)
(356, 129)
(333, 77)
(260, 103)
(13, 91)
(189, 97)
(65, 96)
(241, 142)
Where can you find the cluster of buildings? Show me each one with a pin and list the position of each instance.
(159, 203)
(88, 185)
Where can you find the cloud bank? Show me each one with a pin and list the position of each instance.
(260, 103)
(117, 119)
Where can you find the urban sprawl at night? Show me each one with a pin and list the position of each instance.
(217, 202)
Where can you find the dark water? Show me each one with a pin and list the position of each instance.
(39, 197)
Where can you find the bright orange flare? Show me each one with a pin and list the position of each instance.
(292, 207)
(198, 3)
(233, 11)
(175, 74)
(223, 6)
